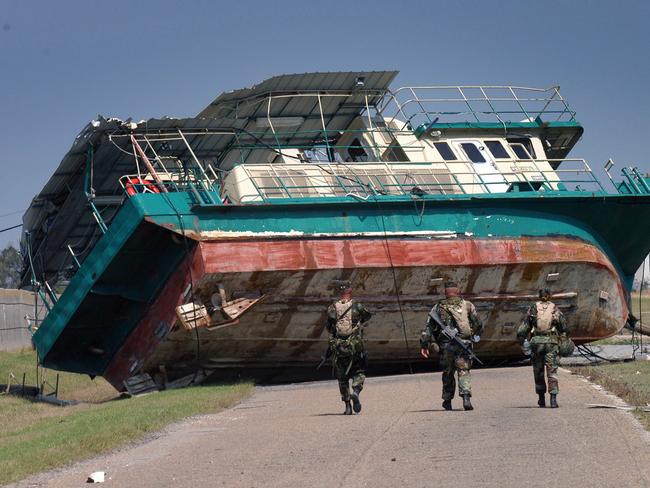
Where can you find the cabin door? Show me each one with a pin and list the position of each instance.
(488, 177)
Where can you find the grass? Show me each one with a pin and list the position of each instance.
(645, 305)
(71, 386)
(622, 338)
(629, 381)
(36, 436)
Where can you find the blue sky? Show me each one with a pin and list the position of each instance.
(64, 62)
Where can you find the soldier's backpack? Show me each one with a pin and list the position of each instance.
(344, 325)
(459, 312)
(346, 343)
(545, 316)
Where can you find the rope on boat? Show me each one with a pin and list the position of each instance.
(189, 269)
(641, 332)
(370, 191)
(638, 326)
(591, 356)
(399, 301)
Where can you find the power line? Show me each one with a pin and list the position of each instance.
(10, 228)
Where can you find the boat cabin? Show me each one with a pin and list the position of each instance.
(385, 157)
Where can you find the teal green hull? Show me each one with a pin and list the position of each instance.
(616, 224)
(143, 243)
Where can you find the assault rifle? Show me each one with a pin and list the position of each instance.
(452, 334)
(328, 352)
(326, 355)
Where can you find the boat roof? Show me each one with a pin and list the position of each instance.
(59, 209)
(343, 94)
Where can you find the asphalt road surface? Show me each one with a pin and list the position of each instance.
(295, 436)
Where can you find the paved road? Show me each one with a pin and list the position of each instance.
(294, 436)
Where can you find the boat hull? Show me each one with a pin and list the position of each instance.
(118, 315)
(294, 276)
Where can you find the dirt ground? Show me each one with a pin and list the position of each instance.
(294, 435)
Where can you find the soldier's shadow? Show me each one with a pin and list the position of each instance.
(330, 414)
(429, 410)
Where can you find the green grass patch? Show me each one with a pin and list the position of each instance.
(622, 338)
(629, 381)
(36, 436)
(642, 305)
(71, 386)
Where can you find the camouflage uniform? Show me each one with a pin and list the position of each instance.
(349, 358)
(544, 343)
(452, 357)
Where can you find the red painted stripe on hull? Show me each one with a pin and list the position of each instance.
(229, 257)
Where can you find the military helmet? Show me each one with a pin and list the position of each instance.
(451, 289)
(342, 285)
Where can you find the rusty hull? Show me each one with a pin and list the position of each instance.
(287, 328)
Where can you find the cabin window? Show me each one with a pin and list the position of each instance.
(473, 153)
(321, 154)
(445, 151)
(522, 147)
(497, 150)
(357, 152)
(317, 154)
(394, 152)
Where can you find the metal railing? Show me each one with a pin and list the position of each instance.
(154, 174)
(369, 161)
(322, 180)
(475, 104)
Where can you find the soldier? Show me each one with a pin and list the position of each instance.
(542, 326)
(458, 314)
(345, 319)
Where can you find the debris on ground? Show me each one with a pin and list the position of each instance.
(96, 477)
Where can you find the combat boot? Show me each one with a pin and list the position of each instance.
(446, 404)
(356, 403)
(348, 408)
(467, 405)
(553, 400)
(541, 402)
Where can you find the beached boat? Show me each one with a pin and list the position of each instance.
(215, 241)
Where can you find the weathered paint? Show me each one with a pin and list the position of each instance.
(159, 319)
(287, 328)
(614, 223)
(489, 239)
(115, 301)
(228, 257)
(126, 222)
